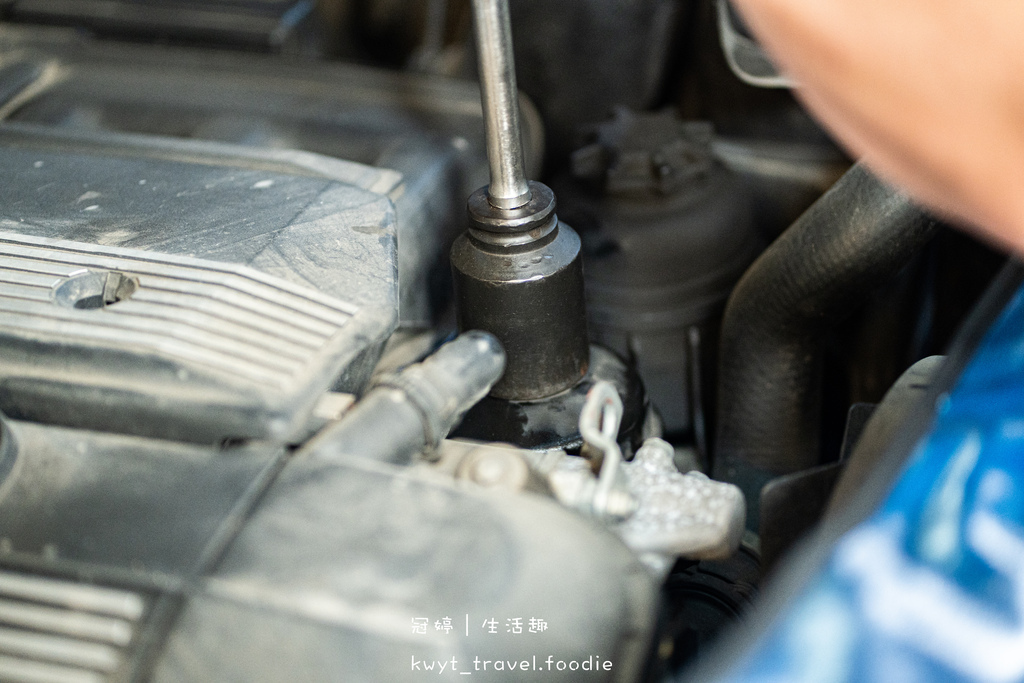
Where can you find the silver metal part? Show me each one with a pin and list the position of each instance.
(74, 596)
(428, 129)
(500, 96)
(237, 340)
(599, 427)
(673, 514)
(605, 498)
(55, 630)
(686, 515)
(204, 300)
(657, 510)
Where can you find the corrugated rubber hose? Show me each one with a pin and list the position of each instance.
(856, 237)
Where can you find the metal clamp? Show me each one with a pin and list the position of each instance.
(599, 425)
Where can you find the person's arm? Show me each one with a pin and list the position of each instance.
(929, 93)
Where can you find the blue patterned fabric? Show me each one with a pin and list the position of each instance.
(931, 587)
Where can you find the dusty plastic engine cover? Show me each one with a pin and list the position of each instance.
(330, 576)
(149, 560)
(190, 291)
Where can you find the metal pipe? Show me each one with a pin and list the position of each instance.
(500, 98)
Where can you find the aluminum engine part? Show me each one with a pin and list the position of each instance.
(191, 291)
(65, 630)
(676, 515)
(687, 515)
(494, 466)
(127, 506)
(653, 507)
(428, 129)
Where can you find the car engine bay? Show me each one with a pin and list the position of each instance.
(367, 340)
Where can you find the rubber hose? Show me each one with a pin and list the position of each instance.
(410, 412)
(857, 236)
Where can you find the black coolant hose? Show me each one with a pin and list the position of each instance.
(857, 236)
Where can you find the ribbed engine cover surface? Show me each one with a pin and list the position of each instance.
(190, 325)
(64, 631)
(199, 300)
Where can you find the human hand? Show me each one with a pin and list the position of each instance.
(929, 93)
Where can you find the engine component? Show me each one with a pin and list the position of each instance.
(352, 571)
(412, 411)
(517, 269)
(553, 422)
(203, 300)
(428, 129)
(666, 231)
(680, 515)
(79, 498)
(152, 560)
(492, 466)
(579, 60)
(660, 513)
(607, 499)
(61, 630)
(260, 24)
(860, 233)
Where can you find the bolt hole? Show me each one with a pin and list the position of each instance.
(95, 289)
